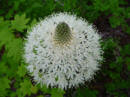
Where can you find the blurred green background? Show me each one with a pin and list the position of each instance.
(110, 17)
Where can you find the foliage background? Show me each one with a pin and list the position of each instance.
(110, 17)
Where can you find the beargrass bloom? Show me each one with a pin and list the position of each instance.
(63, 51)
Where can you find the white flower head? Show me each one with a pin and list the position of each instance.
(63, 51)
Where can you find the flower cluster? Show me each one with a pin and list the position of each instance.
(63, 51)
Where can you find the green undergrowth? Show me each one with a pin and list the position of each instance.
(18, 16)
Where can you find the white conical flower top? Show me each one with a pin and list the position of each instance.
(63, 51)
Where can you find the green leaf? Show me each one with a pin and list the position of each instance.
(20, 22)
(40, 96)
(114, 75)
(127, 29)
(119, 60)
(114, 21)
(109, 44)
(3, 68)
(25, 88)
(101, 5)
(4, 84)
(127, 12)
(32, 24)
(69, 5)
(126, 50)
(127, 61)
(110, 87)
(122, 84)
(44, 88)
(50, 5)
(86, 92)
(21, 70)
(13, 46)
(34, 89)
(55, 92)
(14, 49)
(5, 32)
(113, 65)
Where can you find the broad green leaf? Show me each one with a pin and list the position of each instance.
(114, 76)
(44, 88)
(110, 44)
(40, 96)
(114, 21)
(14, 49)
(126, 50)
(5, 32)
(127, 61)
(25, 88)
(4, 84)
(69, 5)
(33, 23)
(86, 92)
(55, 92)
(3, 68)
(113, 65)
(34, 89)
(20, 22)
(21, 70)
(110, 87)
